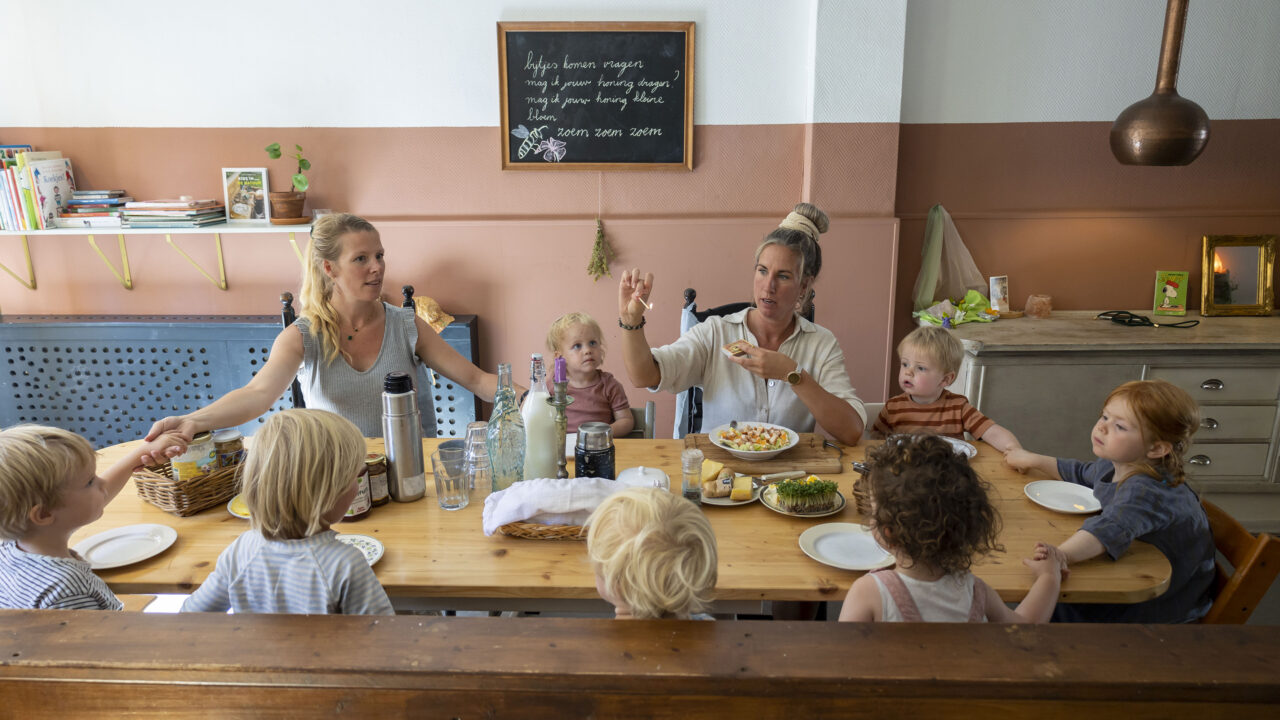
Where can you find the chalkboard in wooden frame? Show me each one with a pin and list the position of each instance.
(596, 95)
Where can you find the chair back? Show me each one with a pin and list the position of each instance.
(1255, 560)
(644, 418)
(287, 316)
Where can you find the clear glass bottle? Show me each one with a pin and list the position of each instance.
(506, 434)
(539, 424)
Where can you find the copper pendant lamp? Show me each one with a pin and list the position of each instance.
(1165, 128)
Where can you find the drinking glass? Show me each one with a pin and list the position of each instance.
(477, 458)
(452, 488)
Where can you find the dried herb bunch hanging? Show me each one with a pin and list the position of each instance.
(601, 254)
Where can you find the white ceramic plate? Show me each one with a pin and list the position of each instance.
(770, 500)
(125, 545)
(237, 507)
(960, 446)
(844, 545)
(792, 438)
(726, 502)
(372, 548)
(1064, 497)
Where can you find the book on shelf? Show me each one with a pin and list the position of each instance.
(171, 204)
(173, 213)
(52, 183)
(77, 200)
(90, 212)
(13, 201)
(9, 154)
(7, 217)
(63, 221)
(98, 193)
(174, 223)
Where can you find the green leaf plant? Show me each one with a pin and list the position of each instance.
(300, 182)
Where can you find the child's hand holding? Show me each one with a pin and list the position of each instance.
(1045, 551)
(1020, 459)
(158, 451)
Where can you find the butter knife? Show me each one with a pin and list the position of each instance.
(762, 480)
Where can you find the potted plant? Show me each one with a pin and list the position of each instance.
(286, 206)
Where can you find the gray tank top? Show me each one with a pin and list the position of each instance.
(357, 396)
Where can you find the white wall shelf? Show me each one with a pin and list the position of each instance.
(124, 274)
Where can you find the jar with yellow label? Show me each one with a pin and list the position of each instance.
(198, 460)
(377, 464)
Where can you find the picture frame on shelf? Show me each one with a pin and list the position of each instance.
(1236, 275)
(244, 192)
(1171, 292)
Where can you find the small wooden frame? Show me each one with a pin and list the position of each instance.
(596, 95)
(1250, 258)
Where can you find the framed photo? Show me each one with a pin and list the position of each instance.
(1171, 292)
(244, 191)
(1236, 275)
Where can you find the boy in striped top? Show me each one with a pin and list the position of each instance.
(929, 359)
(299, 478)
(49, 488)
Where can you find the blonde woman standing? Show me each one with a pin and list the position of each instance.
(343, 344)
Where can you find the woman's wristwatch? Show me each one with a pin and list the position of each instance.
(795, 376)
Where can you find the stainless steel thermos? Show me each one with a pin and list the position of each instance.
(402, 433)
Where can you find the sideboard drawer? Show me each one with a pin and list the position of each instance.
(1249, 459)
(1236, 422)
(1222, 384)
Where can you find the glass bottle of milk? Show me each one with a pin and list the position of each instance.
(539, 424)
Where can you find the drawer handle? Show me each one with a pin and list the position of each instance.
(1212, 384)
(1209, 424)
(1200, 460)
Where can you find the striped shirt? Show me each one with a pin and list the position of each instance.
(33, 582)
(314, 575)
(950, 415)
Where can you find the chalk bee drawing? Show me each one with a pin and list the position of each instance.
(552, 149)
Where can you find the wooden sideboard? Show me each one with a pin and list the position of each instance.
(1046, 381)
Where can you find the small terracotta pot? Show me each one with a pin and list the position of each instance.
(287, 205)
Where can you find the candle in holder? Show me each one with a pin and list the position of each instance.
(1221, 281)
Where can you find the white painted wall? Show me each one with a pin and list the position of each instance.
(979, 61)
(410, 63)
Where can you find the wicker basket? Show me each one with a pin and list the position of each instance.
(186, 497)
(534, 531)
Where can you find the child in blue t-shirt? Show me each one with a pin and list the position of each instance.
(1145, 429)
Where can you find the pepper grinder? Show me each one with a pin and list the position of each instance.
(559, 400)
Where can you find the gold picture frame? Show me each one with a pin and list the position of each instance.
(1236, 275)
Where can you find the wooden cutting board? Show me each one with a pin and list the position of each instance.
(809, 455)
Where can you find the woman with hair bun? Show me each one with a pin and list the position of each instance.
(343, 344)
(784, 369)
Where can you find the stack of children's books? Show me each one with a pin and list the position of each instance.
(93, 208)
(181, 213)
(34, 187)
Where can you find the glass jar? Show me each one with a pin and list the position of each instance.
(198, 460)
(362, 503)
(594, 454)
(228, 445)
(376, 463)
(691, 471)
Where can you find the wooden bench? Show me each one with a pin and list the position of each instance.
(71, 664)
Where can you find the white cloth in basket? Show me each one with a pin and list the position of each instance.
(547, 501)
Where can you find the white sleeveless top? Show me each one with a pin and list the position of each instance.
(947, 599)
(357, 396)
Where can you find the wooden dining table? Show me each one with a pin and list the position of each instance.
(445, 556)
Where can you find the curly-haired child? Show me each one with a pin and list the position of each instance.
(654, 554)
(931, 511)
(1144, 430)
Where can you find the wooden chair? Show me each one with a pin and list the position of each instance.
(693, 399)
(644, 418)
(1255, 559)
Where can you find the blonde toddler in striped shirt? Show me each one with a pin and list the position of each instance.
(928, 360)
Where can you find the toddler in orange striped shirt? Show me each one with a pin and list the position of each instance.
(928, 360)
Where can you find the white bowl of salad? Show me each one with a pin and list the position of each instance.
(754, 440)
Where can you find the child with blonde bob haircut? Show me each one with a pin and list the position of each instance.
(299, 479)
(49, 488)
(930, 510)
(1144, 430)
(928, 360)
(597, 395)
(654, 555)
